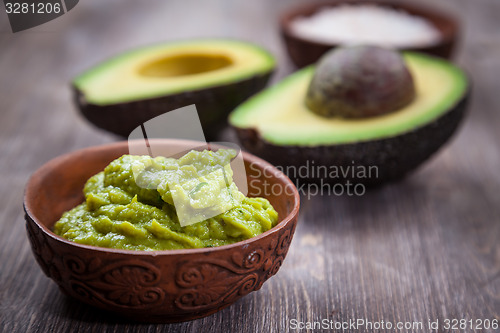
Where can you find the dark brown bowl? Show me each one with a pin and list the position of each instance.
(304, 52)
(152, 286)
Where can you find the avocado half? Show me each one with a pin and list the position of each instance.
(216, 75)
(277, 125)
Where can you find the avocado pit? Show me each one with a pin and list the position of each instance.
(360, 82)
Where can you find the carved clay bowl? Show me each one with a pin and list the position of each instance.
(152, 286)
(303, 51)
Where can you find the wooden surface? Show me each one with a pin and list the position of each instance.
(424, 249)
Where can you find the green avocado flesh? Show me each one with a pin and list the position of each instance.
(280, 116)
(130, 205)
(172, 68)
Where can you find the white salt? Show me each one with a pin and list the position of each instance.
(366, 24)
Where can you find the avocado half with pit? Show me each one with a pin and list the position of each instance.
(216, 75)
(278, 126)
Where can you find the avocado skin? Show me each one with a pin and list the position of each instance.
(213, 105)
(395, 156)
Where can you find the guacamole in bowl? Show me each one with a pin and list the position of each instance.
(135, 204)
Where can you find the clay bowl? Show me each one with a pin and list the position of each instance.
(152, 286)
(304, 52)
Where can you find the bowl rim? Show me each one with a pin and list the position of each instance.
(247, 157)
(287, 17)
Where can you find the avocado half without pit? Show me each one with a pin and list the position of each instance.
(364, 114)
(216, 75)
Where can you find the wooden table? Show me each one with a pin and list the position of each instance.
(424, 249)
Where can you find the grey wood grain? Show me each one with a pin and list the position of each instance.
(423, 249)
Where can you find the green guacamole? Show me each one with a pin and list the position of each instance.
(137, 201)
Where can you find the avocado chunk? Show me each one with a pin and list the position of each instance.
(360, 81)
(214, 74)
(277, 125)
